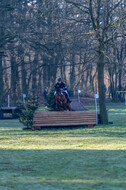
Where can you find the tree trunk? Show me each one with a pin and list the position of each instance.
(23, 78)
(72, 73)
(1, 53)
(34, 75)
(1, 80)
(14, 79)
(101, 88)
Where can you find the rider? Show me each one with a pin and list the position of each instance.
(60, 84)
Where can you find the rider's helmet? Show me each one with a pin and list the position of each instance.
(59, 79)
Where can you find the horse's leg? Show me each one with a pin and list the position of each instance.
(59, 106)
(55, 99)
(69, 106)
(64, 102)
(56, 103)
(61, 109)
(64, 106)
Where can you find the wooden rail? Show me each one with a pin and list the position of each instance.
(55, 119)
(7, 110)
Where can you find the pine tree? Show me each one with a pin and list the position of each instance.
(50, 99)
(27, 113)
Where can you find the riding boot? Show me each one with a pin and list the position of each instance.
(68, 99)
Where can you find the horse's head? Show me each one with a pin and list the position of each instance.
(58, 90)
(60, 100)
(59, 97)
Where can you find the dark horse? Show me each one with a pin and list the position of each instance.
(61, 101)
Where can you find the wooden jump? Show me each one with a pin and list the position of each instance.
(66, 118)
(7, 110)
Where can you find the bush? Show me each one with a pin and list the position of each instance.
(27, 112)
(50, 99)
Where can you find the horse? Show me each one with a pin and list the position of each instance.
(61, 101)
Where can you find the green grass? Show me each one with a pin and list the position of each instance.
(64, 159)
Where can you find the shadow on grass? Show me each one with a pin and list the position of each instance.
(63, 169)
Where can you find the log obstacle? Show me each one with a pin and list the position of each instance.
(62, 119)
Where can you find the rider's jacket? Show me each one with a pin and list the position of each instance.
(61, 85)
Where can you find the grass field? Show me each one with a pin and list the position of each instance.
(64, 159)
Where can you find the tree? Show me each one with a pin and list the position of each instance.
(27, 112)
(100, 12)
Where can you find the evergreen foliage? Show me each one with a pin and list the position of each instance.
(27, 112)
(50, 99)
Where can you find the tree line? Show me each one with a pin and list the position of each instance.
(81, 40)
